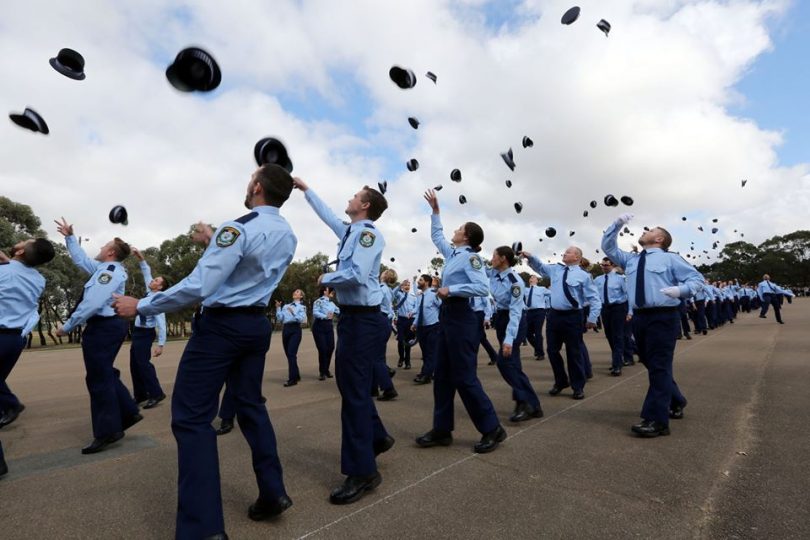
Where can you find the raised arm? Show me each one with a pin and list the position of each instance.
(436, 230)
(323, 211)
(609, 245)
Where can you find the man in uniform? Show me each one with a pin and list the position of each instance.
(234, 280)
(535, 297)
(613, 292)
(112, 408)
(426, 325)
(360, 328)
(404, 306)
(768, 293)
(20, 288)
(656, 281)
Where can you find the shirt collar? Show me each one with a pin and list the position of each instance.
(264, 209)
(653, 250)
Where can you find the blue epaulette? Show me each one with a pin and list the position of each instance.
(247, 217)
(512, 278)
(111, 268)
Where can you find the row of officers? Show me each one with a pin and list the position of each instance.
(235, 279)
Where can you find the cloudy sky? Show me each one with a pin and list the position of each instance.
(681, 102)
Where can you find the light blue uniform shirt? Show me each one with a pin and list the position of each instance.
(151, 321)
(240, 268)
(483, 303)
(580, 285)
(294, 312)
(20, 289)
(539, 297)
(322, 307)
(106, 278)
(429, 304)
(463, 273)
(507, 290)
(387, 306)
(661, 269)
(769, 287)
(404, 303)
(617, 288)
(356, 279)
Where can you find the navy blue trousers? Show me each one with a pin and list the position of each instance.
(771, 300)
(291, 340)
(711, 314)
(227, 407)
(225, 346)
(404, 335)
(656, 332)
(429, 343)
(700, 315)
(382, 378)
(358, 346)
(483, 341)
(323, 332)
(614, 317)
(11, 347)
(565, 327)
(456, 370)
(145, 382)
(110, 401)
(510, 367)
(535, 319)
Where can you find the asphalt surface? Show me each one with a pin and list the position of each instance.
(737, 465)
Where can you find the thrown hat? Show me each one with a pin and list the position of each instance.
(714, 220)
(69, 63)
(627, 201)
(518, 207)
(551, 232)
(194, 69)
(527, 142)
(646, 228)
(392, 259)
(404, 78)
(683, 218)
(455, 175)
(462, 199)
(119, 215)
(593, 204)
(432, 76)
(714, 230)
(508, 183)
(570, 16)
(413, 229)
(271, 150)
(610, 200)
(508, 158)
(437, 188)
(412, 165)
(585, 213)
(383, 186)
(539, 239)
(700, 228)
(517, 247)
(30, 119)
(571, 233)
(413, 122)
(626, 229)
(604, 26)
(743, 182)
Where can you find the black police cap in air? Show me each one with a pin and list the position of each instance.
(455, 175)
(593, 204)
(270, 150)
(413, 122)
(118, 214)
(570, 16)
(585, 213)
(432, 76)
(194, 70)
(509, 159)
(527, 142)
(517, 247)
(412, 165)
(508, 183)
(610, 200)
(402, 77)
(30, 119)
(69, 63)
(462, 199)
(627, 201)
(604, 26)
(383, 186)
(551, 232)
(518, 207)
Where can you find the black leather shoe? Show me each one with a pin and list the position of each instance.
(421, 379)
(589, 375)
(705, 332)
(382, 446)
(491, 363)
(578, 394)
(400, 362)
(218, 536)
(321, 377)
(225, 426)
(131, 421)
(100, 444)
(539, 357)
(388, 395)
(616, 372)
(290, 382)
(392, 372)
(435, 438)
(490, 441)
(676, 412)
(763, 317)
(526, 412)
(556, 390)
(650, 428)
(11, 415)
(629, 363)
(3, 467)
(328, 375)
(353, 488)
(407, 365)
(152, 402)
(688, 336)
(261, 509)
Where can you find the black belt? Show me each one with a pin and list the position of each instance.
(296, 323)
(565, 311)
(245, 310)
(456, 300)
(17, 331)
(99, 318)
(359, 309)
(662, 309)
(536, 309)
(616, 304)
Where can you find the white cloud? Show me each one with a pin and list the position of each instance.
(642, 112)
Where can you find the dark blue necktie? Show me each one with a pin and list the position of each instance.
(422, 310)
(640, 299)
(567, 291)
(141, 320)
(607, 298)
(531, 292)
(342, 243)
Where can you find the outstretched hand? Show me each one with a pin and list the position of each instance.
(137, 253)
(432, 200)
(624, 219)
(125, 306)
(64, 228)
(202, 233)
(299, 184)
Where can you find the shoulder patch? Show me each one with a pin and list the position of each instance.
(512, 278)
(111, 268)
(227, 236)
(475, 262)
(104, 278)
(516, 291)
(367, 239)
(247, 217)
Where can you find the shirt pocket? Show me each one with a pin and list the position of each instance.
(656, 269)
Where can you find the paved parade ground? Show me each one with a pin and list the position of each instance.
(737, 465)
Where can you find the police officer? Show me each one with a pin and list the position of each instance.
(612, 290)
(463, 277)
(383, 386)
(323, 330)
(768, 293)
(510, 326)
(21, 285)
(656, 281)
(404, 306)
(360, 332)
(234, 280)
(112, 408)
(570, 287)
(536, 297)
(426, 326)
(482, 306)
(291, 316)
(145, 384)
(699, 302)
